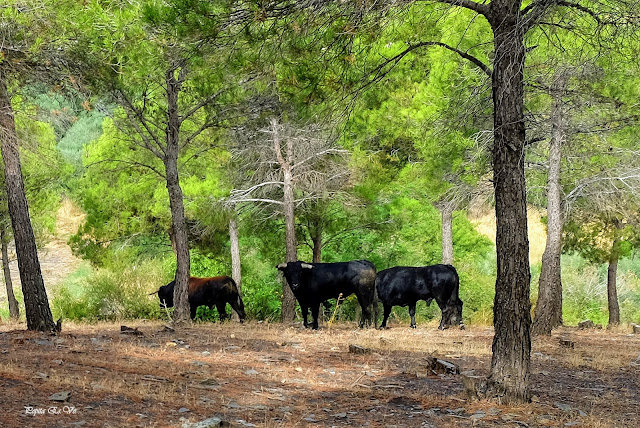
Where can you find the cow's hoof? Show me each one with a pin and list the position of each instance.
(413, 326)
(462, 327)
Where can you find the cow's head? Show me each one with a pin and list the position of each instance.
(293, 272)
(452, 315)
(165, 294)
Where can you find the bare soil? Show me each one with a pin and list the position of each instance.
(275, 375)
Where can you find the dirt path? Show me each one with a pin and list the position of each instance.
(56, 259)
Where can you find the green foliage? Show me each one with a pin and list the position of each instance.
(109, 294)
(204, 313)
(585, 291)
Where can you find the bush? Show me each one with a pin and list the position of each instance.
(110, 295)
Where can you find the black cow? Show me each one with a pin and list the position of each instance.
(210, 292)
(313, 283)
(402, 286)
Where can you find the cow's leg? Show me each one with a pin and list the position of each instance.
(305, 314)
(387, 312)
(193, 311)
(315, 310)
(222, 311)
(412, 313)
(444, 321)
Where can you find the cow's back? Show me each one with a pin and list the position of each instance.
(400, 285)
(208, 291)
(329, 280)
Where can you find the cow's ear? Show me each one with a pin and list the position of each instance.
(281, 266)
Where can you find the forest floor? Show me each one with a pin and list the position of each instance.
(274, 375)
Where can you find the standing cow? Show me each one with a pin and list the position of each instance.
(402, 286)
(210, 292)
(313, 283)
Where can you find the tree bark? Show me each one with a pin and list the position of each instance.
(548, 313)
(447, 234)
(36, 303)
(510, 363)
(181, 312)
(612, 289)
(317, 241)
(288, 299)
(14, 309)
(236, 267)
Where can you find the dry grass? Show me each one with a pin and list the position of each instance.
(484, 220)
(275, 375)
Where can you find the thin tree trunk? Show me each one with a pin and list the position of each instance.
(181, 312)
(317, 241)
(612, 290)
(548, 314)
(447, 234)
(288, 299)
(510, 362)
(14, 309)
(236, 267)
(36, 303)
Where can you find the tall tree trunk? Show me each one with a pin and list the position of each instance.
(612, 290)
(510, 363)
(288, 299)
(447, 234)
(317, 241)
(236, 266)
(548, 314)
(14, 309)
(36, 303)
(181, 312)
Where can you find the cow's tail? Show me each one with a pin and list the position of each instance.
(375, 302)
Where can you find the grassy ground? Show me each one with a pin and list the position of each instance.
(276, 375)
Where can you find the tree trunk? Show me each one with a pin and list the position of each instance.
(288, 299)
(181, 312)
(36, 303)
(548, 314)
(510, 363)
(14, 309)
(612, 291)
(236, 267)
(447, 234)
(317, 241)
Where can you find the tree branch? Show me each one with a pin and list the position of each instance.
(384, 68)
(201, 104)
(482, 9)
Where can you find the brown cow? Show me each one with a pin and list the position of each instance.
(210, 292)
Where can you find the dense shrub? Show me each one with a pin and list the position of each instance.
(109, 295)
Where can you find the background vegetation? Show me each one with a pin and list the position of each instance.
(412, 143)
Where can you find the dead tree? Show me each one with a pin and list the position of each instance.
(285, 166)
